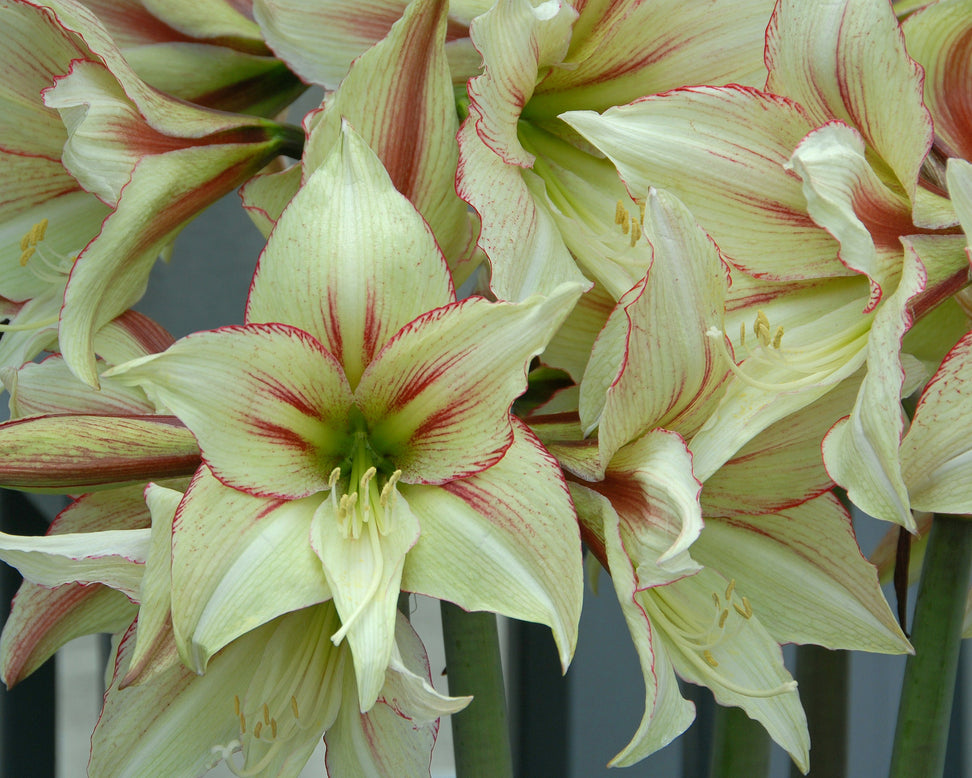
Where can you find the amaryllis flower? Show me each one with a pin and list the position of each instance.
(814, 191)
(154, 160)
(357, 437)
(523, 169)
(702, 602)
(210, 54)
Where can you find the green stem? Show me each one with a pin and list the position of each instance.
(740, 745)
(481, 738)
(822, 675)
(929, 682)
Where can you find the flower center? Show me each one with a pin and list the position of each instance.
(698, 642)
(367, 497)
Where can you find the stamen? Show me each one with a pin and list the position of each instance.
(722, 619)
(258, 729)
(635, 231)
(707, 655)
(730, 589)
(236, 703)
(778, 337)
(366, 478)
(273, 728)
(620, 216)
(242, 724)
(293, 706)
(715, 599)
(388, 491)
(334, 477)
(266, 714)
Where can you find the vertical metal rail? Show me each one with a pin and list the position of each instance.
(27, 745)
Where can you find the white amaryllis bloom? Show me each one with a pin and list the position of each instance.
(357, 436)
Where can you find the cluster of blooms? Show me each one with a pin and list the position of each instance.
(704, 249)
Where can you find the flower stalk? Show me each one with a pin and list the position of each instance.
(822, 675)
(740, 745)
(929, 683)
(481, 739)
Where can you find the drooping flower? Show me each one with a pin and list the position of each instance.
(356, 434)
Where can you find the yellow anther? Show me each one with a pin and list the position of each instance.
(334, 477)
(273, 727)
(26, 255)
(635, 230)
(722, 619)
(266, 714)
(366, 479)
(388, 490)
(778, 337)
(242, 724)
(236, 703)
(715, 599)
(258, 729)
(761, 328)
(748, 607)
(25, 241)
(742, 333)
(711, 660)
(620, 214)
(730, 589)
(641, 209)
(293, 706)
(38, 231)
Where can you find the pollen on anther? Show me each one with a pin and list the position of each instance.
(748, 607)
(242, 724)
(258, 729)
(334, 477)
(236, 703)
(273, 727)
(635, 231)
(620, 214)
(715, 599)
(293, 706)
(266, 714)
(711, 660)
(730, 589)
(722, 618)
(778, 337)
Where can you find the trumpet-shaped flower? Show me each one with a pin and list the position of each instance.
(357, 436)
(813, 189)
(526, 173)
(649, 388)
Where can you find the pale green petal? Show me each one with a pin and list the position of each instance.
(364, 574)
(155, 592)
(666, 714)
(396, 736)
(226, 547)
(721, 151)
(847, 61)
(266, 195)
(936, 457)
(846, 197)
(492, 527)
(350, 260)
(113, 270)
(111, 557)
(937, 37)
(663, 375)
(805, 576)
(399, 97)
(960, 189)
(82, 453)
(268, 405)
(861, 453)
(437, 398)
(185, 723)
